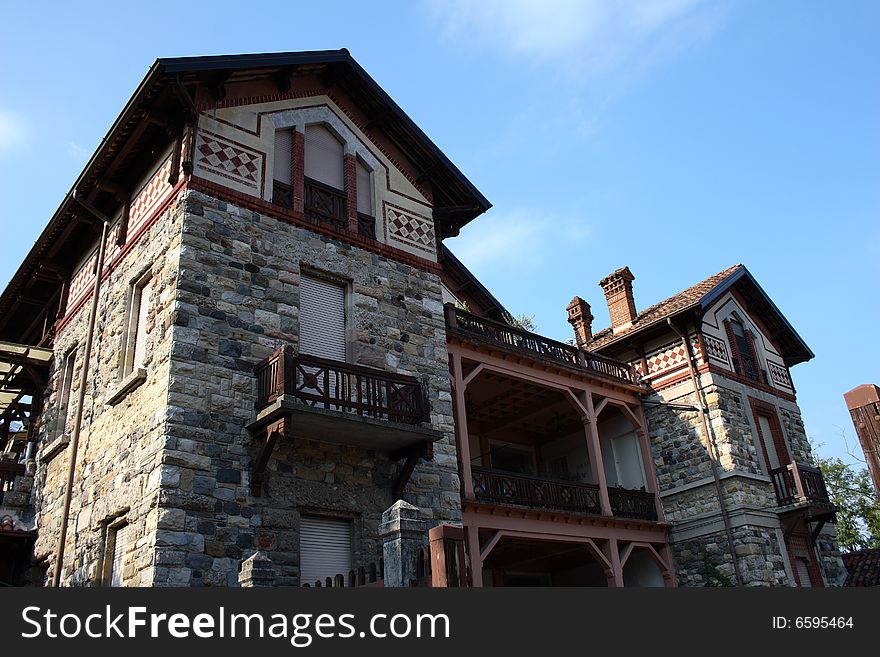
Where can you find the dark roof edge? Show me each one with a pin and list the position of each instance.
(214, 62)
(742, 271)
(64, 206)
(446, 253)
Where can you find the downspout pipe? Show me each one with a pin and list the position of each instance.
(87, 354)
(713, 450)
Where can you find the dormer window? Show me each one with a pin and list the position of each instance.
(324, 173)
(742, 347)
(324, 184)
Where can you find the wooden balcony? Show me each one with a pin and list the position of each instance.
(324, 204)
(636, 504)
(797, 483)
(466, 325)
(502, 487)
(339, 402)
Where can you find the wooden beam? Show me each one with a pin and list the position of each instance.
(273, 432)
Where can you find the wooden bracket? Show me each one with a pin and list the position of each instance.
(276, 430)
(412, 454)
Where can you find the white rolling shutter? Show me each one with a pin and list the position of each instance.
(283, 150)
(140, 340)
(121, 544)
(323, 157)
(803, 571)
(324, 549)
(321, 319)
(364, 190)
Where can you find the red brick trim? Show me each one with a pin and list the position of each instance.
(769, 411)
(123, 252)
(298, 170)
(349, 173)
(306, 93)
(297, 219)
(757, 385)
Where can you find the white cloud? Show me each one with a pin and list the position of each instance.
(511, 240)
(596, 34)
(13, 131)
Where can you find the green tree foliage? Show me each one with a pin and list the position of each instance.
(523, 321)
(858, 516)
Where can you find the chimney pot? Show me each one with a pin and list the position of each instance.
(619, 295)
(581, 319)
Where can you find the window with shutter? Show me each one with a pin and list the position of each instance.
(324, 549)
(136, 336)
(321, 318)
(803, 572)
(282, 187)
(364, 190)
(121, 538)
(64, 405)
(323, 157)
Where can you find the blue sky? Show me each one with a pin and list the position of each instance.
(677, 137)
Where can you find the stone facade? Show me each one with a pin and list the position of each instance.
(121, 451)
(237, 301)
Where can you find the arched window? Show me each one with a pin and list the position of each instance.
(742, 348)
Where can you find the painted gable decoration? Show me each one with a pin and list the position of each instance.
(223, 160)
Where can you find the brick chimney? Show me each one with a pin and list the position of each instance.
(619, 295)
(581, 320)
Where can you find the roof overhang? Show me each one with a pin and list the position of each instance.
(158, 109)
(23, 371)
(792, 347)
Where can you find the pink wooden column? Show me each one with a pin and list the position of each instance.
(461, 427)
(595, 449)
(612, 551)
(473, 548)
(648, 460)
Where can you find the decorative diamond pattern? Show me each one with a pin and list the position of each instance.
(228, 160)
(411, 229)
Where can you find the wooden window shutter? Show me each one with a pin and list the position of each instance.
(364, 190)
(283, 154)
(140, 338)
(753, 352)
(324, 549)
(734, 348)
(121, 545)
(323, 157)
(321, 319)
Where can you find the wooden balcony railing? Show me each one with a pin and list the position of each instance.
(747, 366)
(797, 482)
(324, 204)
(8, 472)
(535, 492)
(636, 504)
(332, 385)
(532, 344)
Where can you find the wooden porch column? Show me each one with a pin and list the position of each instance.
(615, 579)
(461, 427)
(595, 450)
(473, 548)
(648, 460)
(669, 577)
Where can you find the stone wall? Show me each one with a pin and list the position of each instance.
(238, 299)
(706, 561)
(120, 451)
